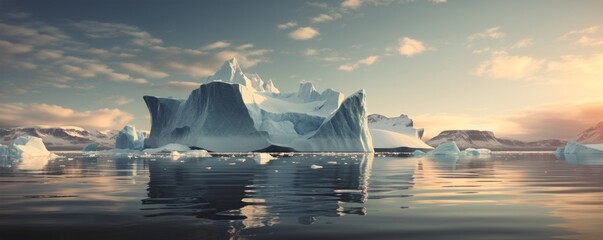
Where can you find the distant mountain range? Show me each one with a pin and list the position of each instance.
(486, 139)
(61, 138)
(593, 134)
(74, 138)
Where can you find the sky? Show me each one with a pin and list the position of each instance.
(526, 70)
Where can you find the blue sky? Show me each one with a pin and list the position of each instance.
(524, 69)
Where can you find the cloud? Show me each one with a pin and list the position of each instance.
(21, 114)
(481, 50)
(586, 37)
(96, 29)
(410, 47)
(216, 45)
(438, 1)
(492, 33)
(120, 100)
(501, 65)
(91, 68)
(7, 47)
(351, 4)
(575, 70)
(304, 33)
(325, 17)
(550, 121)
(37, 34)
(365, 61)
(286, 25)
(144, 70)
(523, 43)
(310, 52)
(49, 54)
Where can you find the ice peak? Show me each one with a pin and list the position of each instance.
(231, 72)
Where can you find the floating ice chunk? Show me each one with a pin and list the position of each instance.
(129, 138)
(24, 147)
(559, 152)
(477, 152)
(197, 154)
(314, 166)
(90, 147)
(263, 158)
(168, 148)
(573, 147)
(446, 148)
(418, 153)
(175, 155)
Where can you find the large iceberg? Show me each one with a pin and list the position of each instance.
(395, 134)
(129, 138)
(573, 147)
(233, 111)
(25, 147)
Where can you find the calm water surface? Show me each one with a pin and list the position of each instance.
(506, 196)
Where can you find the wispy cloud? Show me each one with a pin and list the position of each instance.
(144, 70)
(304, 33)
(586, 37)
(286, 25)
(351, 4)
(216, 45)
(410, 47)
(120, 100)
(325, 17)
(523, 43)
(370, 60)
(491, 33)
(501, 65)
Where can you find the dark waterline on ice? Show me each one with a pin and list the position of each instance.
(507, 196)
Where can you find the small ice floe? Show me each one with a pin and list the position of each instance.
(197, 154)
(263, 158)
(332, 162)
(314, 166)
(175, 155)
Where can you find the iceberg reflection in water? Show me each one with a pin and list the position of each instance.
(310, 196)
(238, 188)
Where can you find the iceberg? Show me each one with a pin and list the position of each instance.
(25, 147)
(418, 153)
(395, 134)
(446, 148)
(573, 147)
(476, 152)
(236, 112)
(90, 147)
(197, 154)
(129, 138)
(559, 152)
(263, 158)
(168, 148)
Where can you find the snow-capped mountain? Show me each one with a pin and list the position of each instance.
(593, 134)
(395, 133)
(239, 112)
(61, 138)
(486, 139)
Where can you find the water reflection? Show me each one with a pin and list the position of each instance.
(235, 188)
(584, 159)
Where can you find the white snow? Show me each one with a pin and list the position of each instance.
(263, 158)
(236, 112)
(129, 138)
